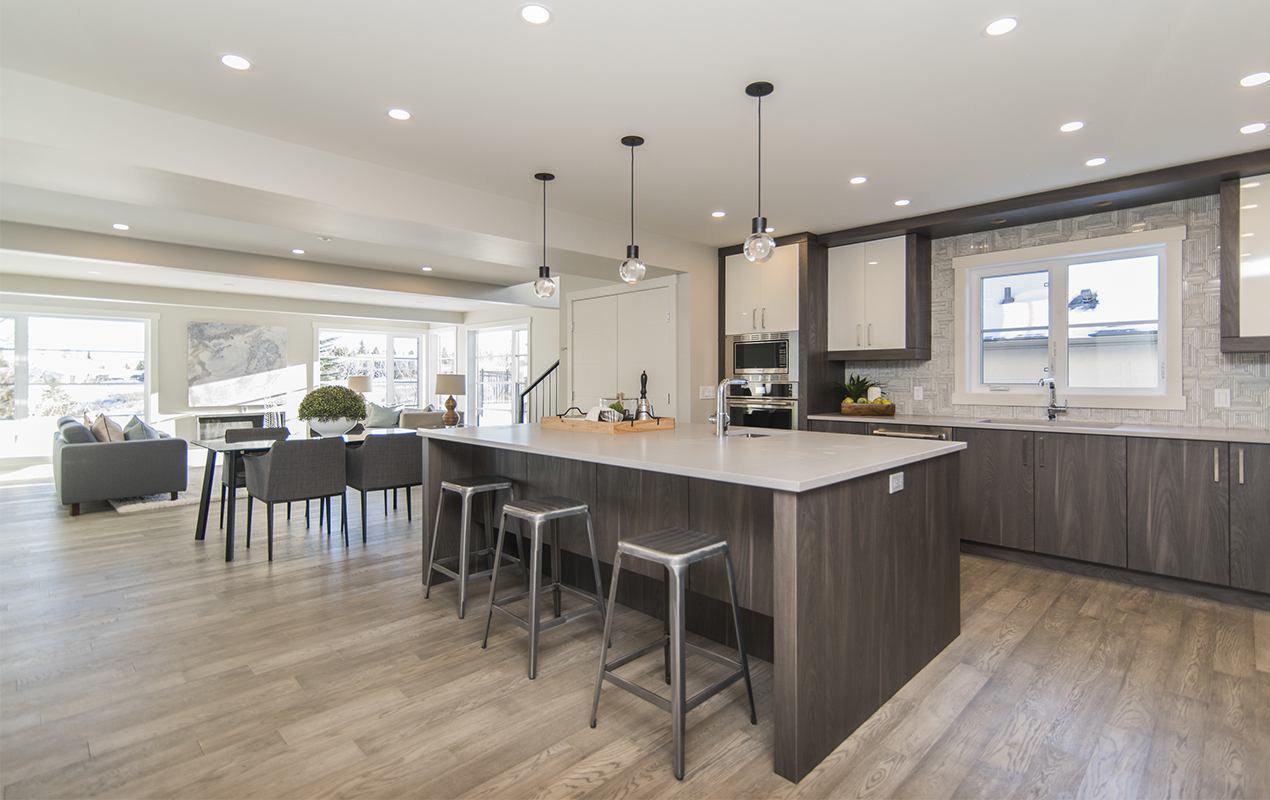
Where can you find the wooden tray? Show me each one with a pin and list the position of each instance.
(587, 426)
(868, 410)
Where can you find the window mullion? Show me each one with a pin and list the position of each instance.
(1058, 327)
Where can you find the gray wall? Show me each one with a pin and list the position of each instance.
(1204, 366)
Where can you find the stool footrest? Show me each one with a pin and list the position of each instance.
(640, 653)
(548, 624)
(638, 691)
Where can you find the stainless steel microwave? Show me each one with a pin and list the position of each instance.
(763, 357)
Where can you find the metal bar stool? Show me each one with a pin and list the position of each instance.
(674, 549)
(538, 513)
(466, 489)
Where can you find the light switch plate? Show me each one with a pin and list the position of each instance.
(1221, 398)
(705, 392)
(897, 482)
(918, 393)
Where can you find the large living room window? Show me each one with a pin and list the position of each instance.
(1102, 317)
(391, 359)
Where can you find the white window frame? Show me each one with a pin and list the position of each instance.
(470, 333)
(388, 333)
(968, 271)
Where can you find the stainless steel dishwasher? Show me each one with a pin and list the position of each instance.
(910, 431)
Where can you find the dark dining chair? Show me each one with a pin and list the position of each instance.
(303, 469)
(238, 480)
(388, 461)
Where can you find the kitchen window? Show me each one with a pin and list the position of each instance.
(1102, 317)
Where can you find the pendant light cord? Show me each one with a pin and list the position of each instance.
(760, 156)
(544, 223)
(632, 195)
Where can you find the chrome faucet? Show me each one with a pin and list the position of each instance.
(721, 418)
(1053, 409)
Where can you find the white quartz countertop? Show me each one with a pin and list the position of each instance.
(792, 461)
(1240, 435)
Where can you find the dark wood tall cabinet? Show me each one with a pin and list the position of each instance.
(1179, 508)
(1081, 497)
(997, 487)
(1250, 516)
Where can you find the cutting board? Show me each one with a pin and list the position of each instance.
(583, 425)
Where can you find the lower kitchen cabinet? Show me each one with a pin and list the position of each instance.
(1081, 499)
(997, 487)
(827, 426)
(1250, 516)
(1179, 509)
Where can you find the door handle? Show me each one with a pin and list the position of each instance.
(857, 335)
(1241, 466)
(870, 334)
(764, 317)
(1040, 451)
(1023, 439)
(754, 319)
(1216, 467)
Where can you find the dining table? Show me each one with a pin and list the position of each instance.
(231, 452)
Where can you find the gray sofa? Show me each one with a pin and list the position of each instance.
(87, 471)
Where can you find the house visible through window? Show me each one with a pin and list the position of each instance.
(1101, 317)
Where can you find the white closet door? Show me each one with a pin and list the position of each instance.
(646, 342)
(593, 371)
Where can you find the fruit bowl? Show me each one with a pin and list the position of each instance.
(867, 410)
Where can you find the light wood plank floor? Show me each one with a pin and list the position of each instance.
(136, 663)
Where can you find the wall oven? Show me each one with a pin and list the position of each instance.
(763, 357)
(764, 405)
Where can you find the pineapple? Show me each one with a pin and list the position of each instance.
(855, 389)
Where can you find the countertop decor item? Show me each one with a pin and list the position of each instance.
(867, 409)
(857, 395)
(632, 269)
(584, 425)
(759, 246)
(332, 410)
(544, 287)
(451, 385)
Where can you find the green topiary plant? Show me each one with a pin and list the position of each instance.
(333, 402)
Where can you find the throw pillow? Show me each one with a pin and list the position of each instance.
(381, 417)
(138, 429)
(76, 432)
(107, 430)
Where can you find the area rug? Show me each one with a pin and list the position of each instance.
(153, 502)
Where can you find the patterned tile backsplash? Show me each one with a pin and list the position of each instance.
(1204, 367)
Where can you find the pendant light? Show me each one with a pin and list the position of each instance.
(759, 246)
(544, 287)
(632, 269)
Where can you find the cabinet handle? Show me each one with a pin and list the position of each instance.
(857, 335)
(1023, 440)
(870, 334)
(1040, 451)
(1216, 467)
(754, 319)
(1241, 466)
(764, 317)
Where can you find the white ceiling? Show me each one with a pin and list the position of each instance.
(910, 93)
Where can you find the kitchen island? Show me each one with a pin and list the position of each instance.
(845, 548)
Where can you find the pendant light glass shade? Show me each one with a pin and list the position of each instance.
(632, 269)
(544, 287)
(759, 247)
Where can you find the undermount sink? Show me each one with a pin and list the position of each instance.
(1058, 423)
(747, 434)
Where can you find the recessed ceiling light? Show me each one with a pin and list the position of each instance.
(535, 14)
(1255, 79)
(1102, 203)
(718, 213)
(1245, 235)
(1000, 26)
(859, 179)
(902, 202)
(426, 269)
(398, 113)
(324, 238)
(1252, 185)
(235, 62)
(1244, 255)
(1245, 208)
(297, 251)
(1256, 127)
(1095, 162)
(119, 226)
(93, 272)
(873, 263)
(769, 229)
(1074, 125)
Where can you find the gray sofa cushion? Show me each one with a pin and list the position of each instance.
(75, 432)
(380, 417)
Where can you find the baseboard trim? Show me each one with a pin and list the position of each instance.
(1147, 580)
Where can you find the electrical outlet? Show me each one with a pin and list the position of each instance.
(897, 482)
(1221, 398)
(705, 392)
(918, 393)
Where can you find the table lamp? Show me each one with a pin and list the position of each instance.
(360, 384)
(451, 385)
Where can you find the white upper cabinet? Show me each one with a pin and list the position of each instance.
(761, 297)
(867, 296)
